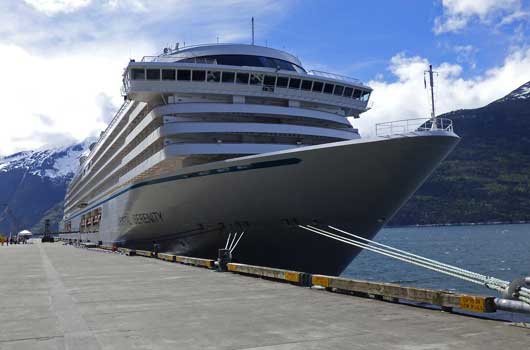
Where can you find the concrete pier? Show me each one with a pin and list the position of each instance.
(61, 297)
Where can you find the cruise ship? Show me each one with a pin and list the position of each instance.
(220, 141)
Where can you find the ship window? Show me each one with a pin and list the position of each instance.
(153, 74)
(214, 77)
(242, 78)
(357, 94)
(365, 95)
(183, 74)
(317, 86)
(328, 88)
(338, 90)
(138, 74)
(246, 60)
(306, 84)
(294, 83)
(282, 82)
(348, 91)
(256, 79)
(269, 80)
(228, 77)
(198, 75)
(168, 74)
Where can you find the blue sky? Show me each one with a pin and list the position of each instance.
(65, 57)
(359, 38)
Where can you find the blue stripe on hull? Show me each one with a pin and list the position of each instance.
(231, 169)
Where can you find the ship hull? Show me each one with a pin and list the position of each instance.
(355, 185)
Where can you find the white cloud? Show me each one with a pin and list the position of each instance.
(65, 58)
(458, 13)
(466, 54)
(406, 98)
(65, 89)
(52, 7)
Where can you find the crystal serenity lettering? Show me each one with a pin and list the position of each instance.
(154, 217)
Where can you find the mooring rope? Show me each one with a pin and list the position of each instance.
(499, 285)
(234, 245)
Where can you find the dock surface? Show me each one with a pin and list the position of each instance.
(61, 297)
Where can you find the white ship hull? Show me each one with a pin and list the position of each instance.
(357, 185)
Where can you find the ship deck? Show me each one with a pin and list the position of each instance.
(61, 297)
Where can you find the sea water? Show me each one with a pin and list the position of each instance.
(501, 251)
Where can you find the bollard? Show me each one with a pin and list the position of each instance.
(224, 258)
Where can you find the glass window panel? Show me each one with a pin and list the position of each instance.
(328, 88)
(245, 60)
(256, 79)
(365, 95)
(138, 74)
(357, 94)
(294, 83)
(228, 77)
(153, 74)
(183, 74)
(269, 80)
(318, 86)
(242, 78)
(214, 77)
(282, 82)
(198, 75)
(306, 84)
(168, 74)
(281, 64)
(348, 91)
(338, 90)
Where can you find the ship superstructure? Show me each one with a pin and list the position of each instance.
(214, 139)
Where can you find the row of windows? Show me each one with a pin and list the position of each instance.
(246, 60)
(269, 82)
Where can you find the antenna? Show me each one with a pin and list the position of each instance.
(252, 30)
(431, 83)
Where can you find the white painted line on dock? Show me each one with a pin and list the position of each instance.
(77, 335)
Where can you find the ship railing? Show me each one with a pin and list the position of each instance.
(104, 134)
(163, 58)
(170, 52)
(398, 127)
(335, 76)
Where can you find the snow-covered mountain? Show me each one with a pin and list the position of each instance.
(59, 162)
(521, 93)
(33, 184)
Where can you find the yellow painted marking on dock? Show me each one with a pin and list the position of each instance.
(166, 257)
(472, 303)
(320, 280)
(232, 267)
(144, 253)
(292, 276)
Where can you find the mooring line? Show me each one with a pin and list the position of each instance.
(235, 245)
(522, 293)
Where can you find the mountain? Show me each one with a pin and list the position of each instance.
(487, 177)
(33, 184)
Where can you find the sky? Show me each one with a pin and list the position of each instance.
(62, 60)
